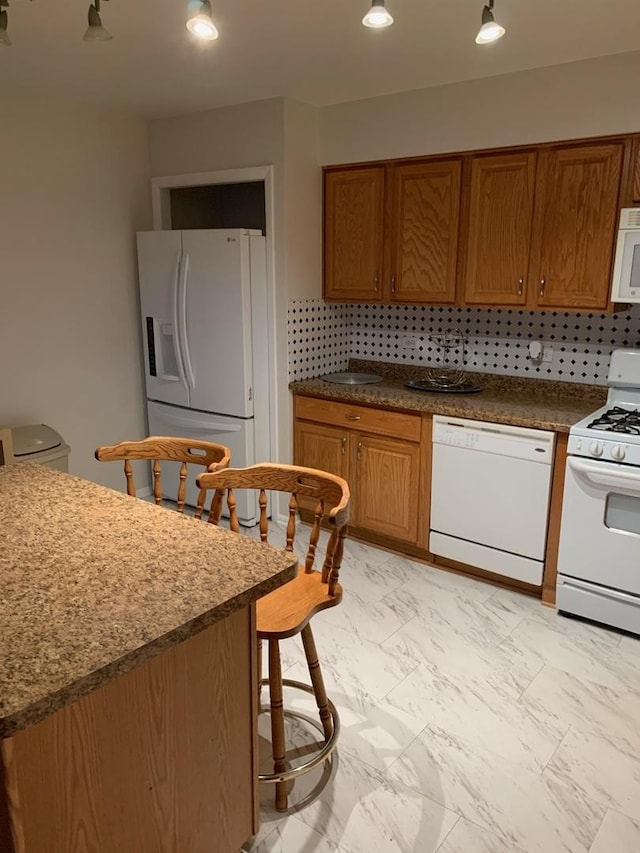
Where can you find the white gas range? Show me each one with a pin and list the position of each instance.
(599, 556)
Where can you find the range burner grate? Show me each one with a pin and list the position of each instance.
(618, 420)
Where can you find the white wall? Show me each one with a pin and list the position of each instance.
(302, 201)
(590, 98)
(74, 190)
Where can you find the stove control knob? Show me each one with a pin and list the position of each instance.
(595, 448)
(618, 452)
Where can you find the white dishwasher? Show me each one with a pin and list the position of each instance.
(490, 491)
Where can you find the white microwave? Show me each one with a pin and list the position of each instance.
(626, 269)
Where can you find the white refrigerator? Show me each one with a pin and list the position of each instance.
(203, 296)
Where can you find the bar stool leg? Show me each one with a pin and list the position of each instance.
(277, 721)
(317, 681)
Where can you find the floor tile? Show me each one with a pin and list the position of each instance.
(372, 730)
(630, 646)
(373, 578)
(454, 609)
(580, 649)
(587, 706)
(460, 641)
(362, 811)
(466, 837)
(425, 579)
(354, 663)
(617, 834)
(599, 770)
(293, 836)
(629, 652)
(521, 604)
(461, 706)
(370, 619)
(500, 794)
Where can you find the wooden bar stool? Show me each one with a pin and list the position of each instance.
(166, 448)
(287, 611)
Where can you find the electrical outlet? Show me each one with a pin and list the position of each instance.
(547, 353)
(408, 341)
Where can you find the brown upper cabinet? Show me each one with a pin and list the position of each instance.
(531, 226)
(499, 231)
(353, 235)
(392, 233)
(576, 219)
(424, 231)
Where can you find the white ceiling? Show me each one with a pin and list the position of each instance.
(315, 51)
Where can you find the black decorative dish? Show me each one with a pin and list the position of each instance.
(466, 387)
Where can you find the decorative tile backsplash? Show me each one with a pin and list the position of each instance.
(323, 336)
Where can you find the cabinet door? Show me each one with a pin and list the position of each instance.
(385, 483)
(424, 239)
(576, 215)
(499, 233)
(353, 238)
(321, 447)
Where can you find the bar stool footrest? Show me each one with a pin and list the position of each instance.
(323, 753)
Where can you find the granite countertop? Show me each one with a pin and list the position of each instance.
(94, 582)
(536, 403)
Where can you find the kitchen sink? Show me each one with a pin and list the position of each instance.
(352, 378)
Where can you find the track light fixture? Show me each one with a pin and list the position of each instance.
(95, 30)
(201, 24)
(377, 17)
(490, 30)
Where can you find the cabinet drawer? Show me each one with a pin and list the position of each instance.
(377, 421)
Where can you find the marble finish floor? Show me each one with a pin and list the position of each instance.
(474, 720)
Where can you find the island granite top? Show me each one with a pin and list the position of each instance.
(95, 581)
(528, 402)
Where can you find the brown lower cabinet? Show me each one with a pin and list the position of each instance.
(385, 456)
(378, 452)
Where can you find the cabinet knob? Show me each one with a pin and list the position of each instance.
(543, 281)
(520, 285)
(344, 445)
(375, 282)
(393, 284)
(352, 417)
(359, 450)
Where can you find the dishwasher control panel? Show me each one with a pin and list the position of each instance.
(456, 436)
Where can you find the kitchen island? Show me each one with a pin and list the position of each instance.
(127, 674)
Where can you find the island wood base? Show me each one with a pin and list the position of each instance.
(159, 760)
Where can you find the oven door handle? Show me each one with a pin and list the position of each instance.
(603, 474)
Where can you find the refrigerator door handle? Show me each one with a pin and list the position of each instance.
(175, 318)
(182, 321)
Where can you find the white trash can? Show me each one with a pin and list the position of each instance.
(40, 443)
